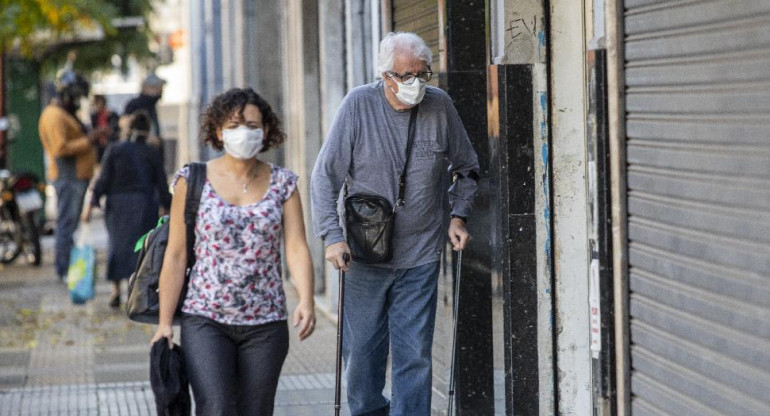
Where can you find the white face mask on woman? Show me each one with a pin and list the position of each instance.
(411, 94)
(242, 142)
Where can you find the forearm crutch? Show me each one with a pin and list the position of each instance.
(340, 308)
(454, 334)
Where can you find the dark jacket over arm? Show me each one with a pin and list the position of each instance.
(168, 380)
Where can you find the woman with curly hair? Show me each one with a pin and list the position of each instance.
(234, 330)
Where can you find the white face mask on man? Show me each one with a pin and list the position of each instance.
(243, 142)
(410, 94)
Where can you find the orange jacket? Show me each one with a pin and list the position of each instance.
(62, 136)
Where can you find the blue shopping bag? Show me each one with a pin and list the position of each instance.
(81, 274)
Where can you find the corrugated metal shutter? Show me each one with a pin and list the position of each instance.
(698, 127)
(420, 17)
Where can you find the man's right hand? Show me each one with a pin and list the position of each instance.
(334, 253)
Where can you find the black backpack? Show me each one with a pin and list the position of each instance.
(143, 300)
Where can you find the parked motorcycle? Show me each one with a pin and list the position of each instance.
(20, 203)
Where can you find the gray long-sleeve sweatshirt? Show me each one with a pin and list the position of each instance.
(366, 146)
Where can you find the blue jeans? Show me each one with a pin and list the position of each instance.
(233, 369)
(69, 196)
(393, 308)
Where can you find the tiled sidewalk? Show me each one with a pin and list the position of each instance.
(60, 359)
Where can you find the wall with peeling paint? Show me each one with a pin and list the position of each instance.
(522, 35)
(551, 38)
(570, 205)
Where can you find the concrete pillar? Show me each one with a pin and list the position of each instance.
(234, 23)
(358, 43)
(240, 26)
(521, 149)
(333, 70)
(303, 115)
(229, 51)
(196, 30)
(263, 60)
(213, 82)
(465, 81)
(570, 206)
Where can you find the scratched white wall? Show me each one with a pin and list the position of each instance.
(570, 225)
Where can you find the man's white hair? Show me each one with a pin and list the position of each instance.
(401, 42)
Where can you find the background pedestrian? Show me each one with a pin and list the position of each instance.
(133, 178)
(150, 94)
(71, 156)
(105, 123)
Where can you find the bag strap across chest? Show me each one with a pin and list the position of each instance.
(409, 142)
(195, 181)
(402, 177)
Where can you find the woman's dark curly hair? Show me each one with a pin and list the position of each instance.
(224, 105)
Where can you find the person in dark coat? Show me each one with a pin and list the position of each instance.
(134, 180)
(104, 122)
(147, 101)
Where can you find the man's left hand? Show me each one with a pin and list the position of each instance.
(458, 235)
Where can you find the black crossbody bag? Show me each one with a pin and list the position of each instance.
(370, 219)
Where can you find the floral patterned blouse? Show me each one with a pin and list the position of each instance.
(236, 279)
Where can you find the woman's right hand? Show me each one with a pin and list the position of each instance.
(85, 216)
(164, 331)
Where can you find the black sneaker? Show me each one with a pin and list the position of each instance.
(115, 302)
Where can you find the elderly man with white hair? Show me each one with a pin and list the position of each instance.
(390, 301)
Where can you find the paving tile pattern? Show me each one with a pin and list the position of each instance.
(61, 359)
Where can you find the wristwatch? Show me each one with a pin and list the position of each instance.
(460, 217)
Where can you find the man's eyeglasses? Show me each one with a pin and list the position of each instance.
(409, 78)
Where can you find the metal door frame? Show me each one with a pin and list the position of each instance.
(617, 134)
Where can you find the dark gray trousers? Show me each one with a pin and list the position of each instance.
(233, 369)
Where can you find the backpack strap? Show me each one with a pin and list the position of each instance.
(195, 181)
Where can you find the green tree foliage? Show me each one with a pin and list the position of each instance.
(22, 21)
(47, 30)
